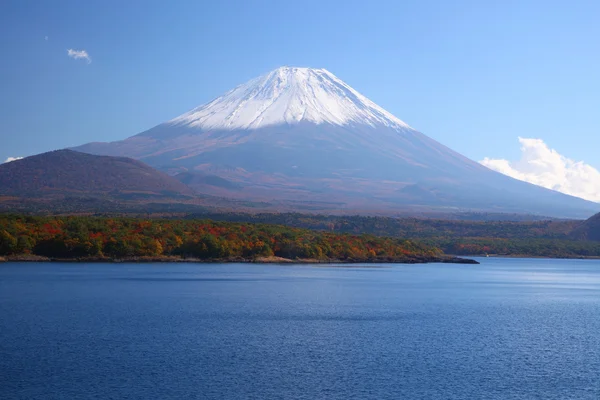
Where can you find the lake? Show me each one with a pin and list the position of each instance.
(505, 329)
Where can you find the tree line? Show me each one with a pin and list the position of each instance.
(121, 238)
(541, 238)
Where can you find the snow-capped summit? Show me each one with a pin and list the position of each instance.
(289, 95)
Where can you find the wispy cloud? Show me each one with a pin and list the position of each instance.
(9, 159)
(546, 167)
(79, 55)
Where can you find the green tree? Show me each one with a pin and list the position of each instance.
(8, 243)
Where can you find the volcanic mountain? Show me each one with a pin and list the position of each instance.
(301, 138)
(66, 173)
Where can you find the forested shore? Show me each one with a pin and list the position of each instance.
(476, 237)
(34, 238)
(287, 237)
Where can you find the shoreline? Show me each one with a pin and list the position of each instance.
(533, 257)
(259, 260)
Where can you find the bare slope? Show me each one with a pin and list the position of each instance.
(67, 172)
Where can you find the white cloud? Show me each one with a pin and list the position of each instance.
(9, 159)
(46, 38)
(546, 167)
(79, 55)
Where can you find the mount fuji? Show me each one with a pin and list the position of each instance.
(302, 139)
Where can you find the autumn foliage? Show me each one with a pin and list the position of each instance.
(82, 237)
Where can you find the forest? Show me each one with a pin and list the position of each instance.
(221, 236)
(409, 227)
(541, 238)
(73, 237)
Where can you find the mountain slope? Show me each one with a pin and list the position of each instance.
(66, 172)
(302, 136)
(588, 230)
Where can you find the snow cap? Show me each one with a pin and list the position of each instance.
(289, 95)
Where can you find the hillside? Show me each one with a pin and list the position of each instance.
(588, 230)
(66, 173)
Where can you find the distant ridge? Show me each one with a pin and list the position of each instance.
(70, 173)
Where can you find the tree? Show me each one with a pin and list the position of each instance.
(25, 244)
(8, 243)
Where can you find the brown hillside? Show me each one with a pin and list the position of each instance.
(588, 230)
(68, 173)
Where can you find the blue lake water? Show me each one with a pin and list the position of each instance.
(505, 329)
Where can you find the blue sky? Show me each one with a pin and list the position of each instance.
(474, 75)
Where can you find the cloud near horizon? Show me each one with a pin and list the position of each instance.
(79, 55)
(545, 167)
(9, 159)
